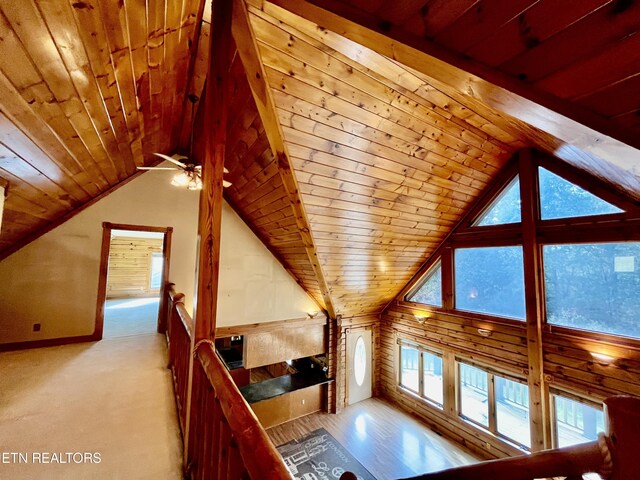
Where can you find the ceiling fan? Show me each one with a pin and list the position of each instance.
(189, 174)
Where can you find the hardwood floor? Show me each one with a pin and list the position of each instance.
(387, 441)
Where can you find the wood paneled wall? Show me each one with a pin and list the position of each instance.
(506, 350)
(273, 346)
(129, 273)
(385, 163)
(569, 365)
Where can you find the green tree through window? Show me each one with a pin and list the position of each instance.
(560, 198)
(430, 292)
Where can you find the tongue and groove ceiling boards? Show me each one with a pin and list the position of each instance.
(569, 69)
(387, 158)
(88, 90)
(360, 131)
(385, 164)
(257, 193)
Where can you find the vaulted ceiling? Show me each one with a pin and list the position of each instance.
(382, 147)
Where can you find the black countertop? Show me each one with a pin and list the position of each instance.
(274, 387)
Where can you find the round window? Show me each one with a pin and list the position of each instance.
(360, 361)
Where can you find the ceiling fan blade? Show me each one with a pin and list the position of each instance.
(226, 170)
(226, 183)
(158, 168)
(172, 160)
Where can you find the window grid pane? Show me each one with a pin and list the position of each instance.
(512, 410)
(490, 280)
(474, 394)
(576, 422)
(594, 287)
(409, 368)
(430, 292)
(432, 377)
(505, 209)
(560, 198)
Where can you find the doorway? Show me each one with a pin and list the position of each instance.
(359, 366)
(134, 270)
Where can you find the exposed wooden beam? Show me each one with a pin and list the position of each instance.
(213, 130)
(567, 122)
(250, 56)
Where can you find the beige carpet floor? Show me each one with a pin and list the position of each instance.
(130, 316)
(112, 399)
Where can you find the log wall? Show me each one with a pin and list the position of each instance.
(569, 366)
(130, 266)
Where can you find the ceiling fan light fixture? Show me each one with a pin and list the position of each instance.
(195, 183)
(181, 179)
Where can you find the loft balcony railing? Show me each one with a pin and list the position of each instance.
(224, 439)
(227, 442)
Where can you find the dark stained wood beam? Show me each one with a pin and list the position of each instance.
(249, 54)
(564, 120)
(214, 131)
(211, 154)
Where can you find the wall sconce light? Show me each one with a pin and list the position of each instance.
(483, 332)
(312, 314)
(602, 358)
(421, 319)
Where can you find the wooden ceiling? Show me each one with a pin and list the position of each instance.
(381, 149)
(257, 192)
(88, 90)
(383, 172)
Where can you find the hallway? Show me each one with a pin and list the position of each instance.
(130, 316)
(113, 398)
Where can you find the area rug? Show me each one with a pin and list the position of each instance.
(319, 456)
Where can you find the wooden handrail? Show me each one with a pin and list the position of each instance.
(184, 316)
(566, 462)
(261, 459)
(613, 455)
(179, 338)
(226, 440)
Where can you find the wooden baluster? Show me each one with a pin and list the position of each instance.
(234, 462)
(216, 422)
(224, 446)
(195, 431)
(206, 417)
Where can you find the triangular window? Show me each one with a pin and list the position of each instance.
(504, 209)
(560, 198)
(430, 292)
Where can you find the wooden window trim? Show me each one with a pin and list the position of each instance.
(598, 338)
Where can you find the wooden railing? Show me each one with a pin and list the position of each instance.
(225, 439)
(179, 335)
(613, 455)
(228, 442)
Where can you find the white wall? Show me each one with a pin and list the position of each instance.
(253, 286)
(54, 280)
